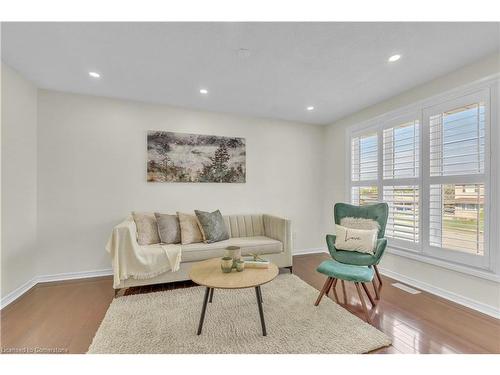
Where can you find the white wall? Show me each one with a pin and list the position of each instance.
(476, 291)
(92, 173)
(19, 177)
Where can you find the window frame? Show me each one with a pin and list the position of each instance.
(485, 266)
(428, 180)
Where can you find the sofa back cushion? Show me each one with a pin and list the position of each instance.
(190, 228)
(147, 229)
(244, 225)
(168, 228)
(212, 225)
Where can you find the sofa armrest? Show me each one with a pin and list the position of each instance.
(279, 229)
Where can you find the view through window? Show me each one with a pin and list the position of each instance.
(448, 179)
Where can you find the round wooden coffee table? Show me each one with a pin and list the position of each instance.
(209, 274)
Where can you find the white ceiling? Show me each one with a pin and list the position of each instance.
(339, 68)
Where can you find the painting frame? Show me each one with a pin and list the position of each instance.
(195, 158)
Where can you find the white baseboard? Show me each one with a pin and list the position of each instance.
(15, 294)
(74, 275)
(313, 250)
(454, 297)
(18, 292)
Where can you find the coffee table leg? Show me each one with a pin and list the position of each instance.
(258, 292)
(203, 309)
(211, 295)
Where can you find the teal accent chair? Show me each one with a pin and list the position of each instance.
(351, 265)
(378, 212)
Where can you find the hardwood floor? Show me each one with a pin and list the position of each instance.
(63, 317)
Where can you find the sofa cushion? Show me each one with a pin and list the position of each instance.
(190, 228)
(258, 244)
(168, 228)
(147, 228)
(212, 225)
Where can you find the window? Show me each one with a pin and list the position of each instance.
(430, 164)
(364, 169)
(400, 181)
(364, 158)
(457, 217)
(364, 195)
(456, 182)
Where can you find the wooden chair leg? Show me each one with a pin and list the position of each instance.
(335, 290)
(344, 292)
(326, 287)
(377, 294)
(116, 292)
(378, 275)
(368, 294)
(363, 304)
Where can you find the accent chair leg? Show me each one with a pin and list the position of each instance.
(334, 289)
(368, 294)
(326, 287)
(344, 291)
(377, 294)
(378, 275)
(363, 304)
(116, 292)
(290, 268)
(211, 295)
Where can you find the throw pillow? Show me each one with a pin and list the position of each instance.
(361, 240)
(212, 226)
(190, 229)
(147, 229)
(168, 228)
(359, 223)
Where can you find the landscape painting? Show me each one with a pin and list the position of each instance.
(181, 157)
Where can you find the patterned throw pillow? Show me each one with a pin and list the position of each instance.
(360, 240)
(168, 228)
(212, 225)
(147, 229)
(190, 229)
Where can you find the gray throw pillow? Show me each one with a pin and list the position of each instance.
(212, 223)
(168, 228)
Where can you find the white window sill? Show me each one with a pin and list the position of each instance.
(481, 273)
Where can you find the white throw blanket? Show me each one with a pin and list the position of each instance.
(131, 260)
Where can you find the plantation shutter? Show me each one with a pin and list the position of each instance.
(401, 148)
(457, 177)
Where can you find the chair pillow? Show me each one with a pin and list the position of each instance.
(147, 229)
(359, 223)
(190, 229)
(212, 225)
(360, 240)
(168, 228)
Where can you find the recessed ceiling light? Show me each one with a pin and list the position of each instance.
(394, 58)
(310, 108)
(204, 91)
(94, 75)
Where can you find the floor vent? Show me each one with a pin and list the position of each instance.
(406, 288)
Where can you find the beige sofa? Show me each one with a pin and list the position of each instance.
(266, 235)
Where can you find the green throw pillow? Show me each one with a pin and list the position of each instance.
(212, 225)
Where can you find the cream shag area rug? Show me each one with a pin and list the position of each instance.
(166, 322)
